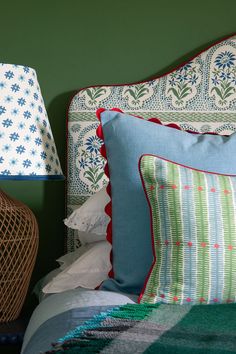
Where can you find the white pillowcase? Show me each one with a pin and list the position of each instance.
(88, 271)
(91, 218)
(89, 237)
(67, 259)
(64, 262)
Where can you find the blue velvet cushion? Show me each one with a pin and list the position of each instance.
(126, 138)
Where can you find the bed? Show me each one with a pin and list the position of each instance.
(130, 311)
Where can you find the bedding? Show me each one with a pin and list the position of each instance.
(193, 219)
(86, 267)
(199, 96)
(177, 329)
(88, 271)
(72, 267)
(90, 219)
(126, 138)
(67, 259)
(37, 290)
(89, 237)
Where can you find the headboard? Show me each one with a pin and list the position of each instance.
(199, 95)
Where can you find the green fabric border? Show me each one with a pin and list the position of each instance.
(164, 116)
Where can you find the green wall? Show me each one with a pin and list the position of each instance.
(76, 43)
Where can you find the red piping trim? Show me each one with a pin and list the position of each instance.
(152, 234)
(190, 167)
(150, 209)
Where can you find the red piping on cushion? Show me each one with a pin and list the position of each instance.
(152, 234)
(150, 209)
(190, 167)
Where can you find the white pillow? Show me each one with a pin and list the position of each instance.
(91, 217)
(37, 290)
(88, 271)
(89, 237)
(69, 258)
(64, 261)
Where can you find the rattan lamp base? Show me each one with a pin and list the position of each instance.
(18, 250)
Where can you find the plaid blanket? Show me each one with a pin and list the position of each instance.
(165, 329)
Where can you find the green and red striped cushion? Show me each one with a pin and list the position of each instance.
(193, 215)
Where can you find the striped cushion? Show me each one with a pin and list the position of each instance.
(193, 217)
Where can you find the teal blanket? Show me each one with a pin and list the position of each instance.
(165, 329)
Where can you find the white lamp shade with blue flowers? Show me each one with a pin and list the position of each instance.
(27, 151)
(27, 147)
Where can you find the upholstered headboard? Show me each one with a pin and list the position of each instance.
(199, 95)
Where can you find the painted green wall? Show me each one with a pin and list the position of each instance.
(76, 43)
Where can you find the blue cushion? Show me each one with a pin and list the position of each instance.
(126, 138)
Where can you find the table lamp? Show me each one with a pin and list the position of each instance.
(27, 152)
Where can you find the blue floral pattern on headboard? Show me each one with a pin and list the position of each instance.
(200, 95)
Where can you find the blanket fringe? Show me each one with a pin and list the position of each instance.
(74, 340)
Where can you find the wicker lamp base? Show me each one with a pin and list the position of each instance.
(18, 250)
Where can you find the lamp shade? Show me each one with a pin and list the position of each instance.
(27, 147)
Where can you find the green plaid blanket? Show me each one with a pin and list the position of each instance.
(165, 329)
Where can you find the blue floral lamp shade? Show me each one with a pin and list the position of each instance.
(27, 147)
(27, 152)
